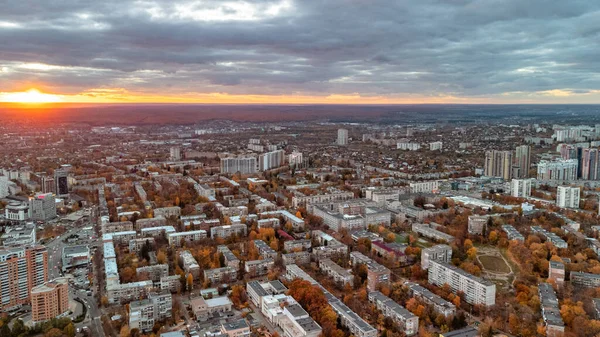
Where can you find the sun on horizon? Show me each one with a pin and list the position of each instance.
(31, 96)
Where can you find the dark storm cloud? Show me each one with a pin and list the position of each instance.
(387, 48)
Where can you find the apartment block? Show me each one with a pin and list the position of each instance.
(170, 283)
(556, 272)
(23, 268)
(555, 327)
(333, 270)
(568, 197)
(440, 305)
(145, 313)
(585, 280)
(476, 290)
(127, 292)
(406, 320)
(190, 265)
(431, 233)
(49, 300)
(258, 267)
(512, 233)
(520, 188)
(218, 275)
(178, 238)
(265, 250)
(230, 259)
(153, 272)
(441, 253)
(296, 258)
(150, 223)
(167, 212)
(112, 227)
(136, 245)
(292, 245)
(425, 187)
(157, 232)
(228, 230)
(556, 240)
(376, 273)
(477, 224)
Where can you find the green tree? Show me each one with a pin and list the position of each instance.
(69, 330)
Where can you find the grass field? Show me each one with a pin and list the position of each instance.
(494, 264)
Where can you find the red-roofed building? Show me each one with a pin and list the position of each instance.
(384, 249)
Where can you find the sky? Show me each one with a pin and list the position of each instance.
(301, 51)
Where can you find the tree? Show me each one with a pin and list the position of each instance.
(190, 281)
(54, 332)
(124, 331)
(18, 328)
(468, 244)
(69, 330)
(161, 257)
(472, 253)
(239, 296)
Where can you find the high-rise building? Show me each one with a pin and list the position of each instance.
(342, 137)
(48, 185)
(563, 170)
(49, 300)
(523, 160)
(21, 269)
(246, 165)
(175, 153)
(520, 188)
(43, 207)
(590, 164)
(270, 160)
(498, 164)
(568, 197)
(295, 158)
(61, 181)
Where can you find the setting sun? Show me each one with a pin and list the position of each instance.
(29, 96)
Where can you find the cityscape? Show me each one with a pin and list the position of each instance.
(299, 168)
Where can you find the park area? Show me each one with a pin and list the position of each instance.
(494, 264)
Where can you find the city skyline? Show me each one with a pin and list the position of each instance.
(297, 52)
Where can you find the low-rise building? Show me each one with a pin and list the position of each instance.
(74, 256)
(178, 238)
(227, 231)
(512, 233)
(230, 259)
(296, 245)
(238, 328)
(167, 212)
(431, 233)
(153, 272)
(440, 305)
(126, 292)
(143, 314)
(190, 265)
(556, 240)
(265, 250)
(406, 320)
(170, 283)
(556, 272)
(477, 224)
(555, 326)
(111, 227)
(204, 309)
(136, 245)
(296, 258)
(585, 280)
(258, 267)
(376, 273)
(157, 232)
(217, 275)
(333, 270)
(150, 223)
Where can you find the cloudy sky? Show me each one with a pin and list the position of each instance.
(301, 51)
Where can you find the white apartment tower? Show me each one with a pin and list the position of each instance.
(520, 188)
(342, 137)
(567, 197)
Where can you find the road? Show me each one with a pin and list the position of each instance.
(55, 247)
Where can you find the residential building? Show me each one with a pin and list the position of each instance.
(561, 170)
(218, 275)
(441, 253)
(190, 265)
(585, 280)
(340, 275)
(568, 197)
(228, 230)
(304, 200)
(246, 165)
(127, 292)
(432, 186)
(175, 153)
(136, 245)
(264, 249)
(258, 267)
(512, 233)
(477, 224)
(555, 326)
(556, 272)
(376, 273)
(49, 300)
(153, 272)
(406, 320)
(112, 227)
(556, 240)
(141, 224)
(143, 314)
(230, 259)
(440, 305)
(520, 188)
(498, 164)
(271, 160)
(476, 290)
(178, 238)
(523, 161)
(157, 232)
(171, 283)
(167, 212)
(296, 258)
(436, 146)
(431, 233)
(23, 268)
(342, 137)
